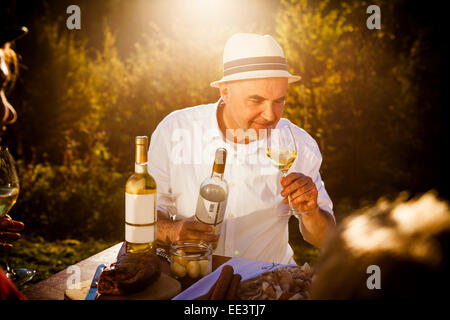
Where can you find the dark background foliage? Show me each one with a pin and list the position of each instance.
(373, 99)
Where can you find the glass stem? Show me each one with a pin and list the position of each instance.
(9, 271)
(292, 210)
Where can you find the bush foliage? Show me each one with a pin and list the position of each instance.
(81, 104)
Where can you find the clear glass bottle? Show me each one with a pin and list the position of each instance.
(213, 195)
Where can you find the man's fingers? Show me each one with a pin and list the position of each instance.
(9, 236)
(306, 201)
(303, 190)
(285, 181)
(196, 235)
(194, 230)
(198, 226)
(6, 223)
(16, 226)
(5, 248)
(295, 184)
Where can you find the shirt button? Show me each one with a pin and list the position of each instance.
(231, 216)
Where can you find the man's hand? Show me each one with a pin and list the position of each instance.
(317, 224)
(9, 229)
(190, 229)
(302, 190)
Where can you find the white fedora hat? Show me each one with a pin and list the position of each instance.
(253, 56)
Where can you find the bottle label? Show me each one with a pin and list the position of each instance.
(210, 212)
(140, 218)
(139, 234)
(213, 209)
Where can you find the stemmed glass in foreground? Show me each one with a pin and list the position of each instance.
(9, 191)
(282, 151)
(169, 199)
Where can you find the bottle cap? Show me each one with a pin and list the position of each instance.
(141, 149)
(142, 140)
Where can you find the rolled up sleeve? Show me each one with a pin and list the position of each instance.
(158, 165)
(323, 199)
(310, 166)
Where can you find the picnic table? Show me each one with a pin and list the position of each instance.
(53, 288)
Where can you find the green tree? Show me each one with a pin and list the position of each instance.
(357, 96)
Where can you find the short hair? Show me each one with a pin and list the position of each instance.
(407, 240)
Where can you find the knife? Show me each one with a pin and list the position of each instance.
(92, 293)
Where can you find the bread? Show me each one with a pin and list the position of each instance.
(132, 272)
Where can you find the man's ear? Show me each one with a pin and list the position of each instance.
(224, 89)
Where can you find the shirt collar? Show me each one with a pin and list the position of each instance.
(216, 133)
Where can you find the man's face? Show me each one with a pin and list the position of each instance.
(253, 104)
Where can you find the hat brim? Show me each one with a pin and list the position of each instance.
(259, 74)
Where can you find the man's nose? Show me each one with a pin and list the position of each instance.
(268, 114)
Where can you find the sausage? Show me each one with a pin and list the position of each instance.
(232, 289)
(207, 295)
(222, 284)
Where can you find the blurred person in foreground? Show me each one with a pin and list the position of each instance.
(253, 91)
(9, 228)
(407, 240)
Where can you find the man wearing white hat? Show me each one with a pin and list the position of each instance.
(253, 91)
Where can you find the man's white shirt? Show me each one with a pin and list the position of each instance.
(181, 155)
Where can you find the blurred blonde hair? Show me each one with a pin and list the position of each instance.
(407, 240)
(11, 61)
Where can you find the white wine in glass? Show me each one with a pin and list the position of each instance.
(8, 197)
(282, 152)
(9, 191)
(282, 158)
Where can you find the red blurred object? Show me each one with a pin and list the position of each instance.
(8, 290)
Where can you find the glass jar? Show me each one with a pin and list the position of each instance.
(190, 258)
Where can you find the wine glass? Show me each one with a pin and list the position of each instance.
(169, 200)
(9, 191)
(169, 203)
(282, 152)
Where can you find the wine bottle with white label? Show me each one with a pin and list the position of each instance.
(140, 204)
(213, 195)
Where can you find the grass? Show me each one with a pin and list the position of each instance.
(303, 251)
(48, 258)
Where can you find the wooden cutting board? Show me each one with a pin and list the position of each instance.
(163, 288)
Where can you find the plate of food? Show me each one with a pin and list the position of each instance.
(134, 276)
(244, 279)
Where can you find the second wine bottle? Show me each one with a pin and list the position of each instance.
(213, 195)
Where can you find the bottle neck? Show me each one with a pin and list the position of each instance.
(140, 167)
(217, 175)
(217, 171)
